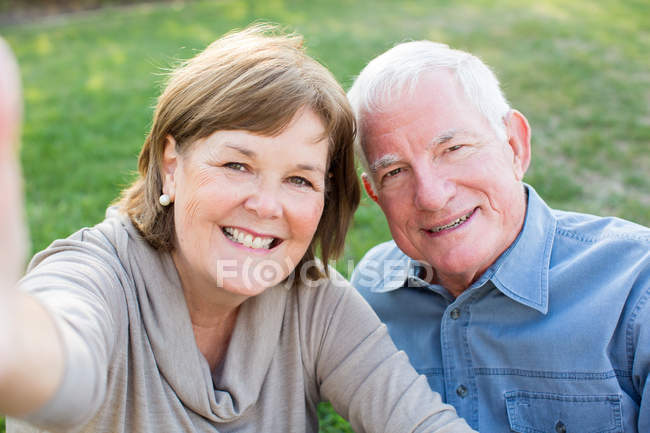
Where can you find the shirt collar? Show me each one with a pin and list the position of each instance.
(521, 272)
(395, 272)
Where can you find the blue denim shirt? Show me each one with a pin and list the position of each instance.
(553, 337)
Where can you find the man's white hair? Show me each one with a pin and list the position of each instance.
(395, 73)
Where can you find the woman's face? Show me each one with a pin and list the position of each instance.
(246, 206)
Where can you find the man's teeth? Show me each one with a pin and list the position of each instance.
(452, 224)
(247, 239)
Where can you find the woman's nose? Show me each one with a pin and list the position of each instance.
(264, 201)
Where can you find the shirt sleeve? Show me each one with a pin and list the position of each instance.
(641, 357)
(360, 371)
(77, 284)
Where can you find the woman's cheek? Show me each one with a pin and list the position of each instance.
(317, 212)
(305, 214)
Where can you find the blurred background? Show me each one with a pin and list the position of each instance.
(91, 69)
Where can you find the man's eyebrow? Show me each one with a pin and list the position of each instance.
(384, 161)
(445, 137)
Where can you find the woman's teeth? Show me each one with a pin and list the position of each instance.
(452, 224)
(247, 239)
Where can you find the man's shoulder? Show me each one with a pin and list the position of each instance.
(592, 229)
(383, 251)
(601, 241)
(379, 255)
(382, 268)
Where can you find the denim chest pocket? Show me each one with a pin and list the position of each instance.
(540, 412)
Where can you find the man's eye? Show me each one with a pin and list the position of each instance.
(389, 175)
(393, 172)
(454, 147)
(235, 166)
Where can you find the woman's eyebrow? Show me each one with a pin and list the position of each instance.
(243, 150)
(308, 167)
(252, 154)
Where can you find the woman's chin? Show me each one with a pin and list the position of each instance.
(249, 285)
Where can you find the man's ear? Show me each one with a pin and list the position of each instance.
(168, 167)
(368, 186)
(518, 131)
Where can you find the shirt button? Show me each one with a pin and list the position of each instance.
(455, 314)
(560, 427)
(461, 391)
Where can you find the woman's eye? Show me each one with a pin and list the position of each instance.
(235, 166)
(300, 181)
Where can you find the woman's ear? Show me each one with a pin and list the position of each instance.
(518, 131)
(168, 167)
(368, 186)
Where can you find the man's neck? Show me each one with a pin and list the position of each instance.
(456, 286)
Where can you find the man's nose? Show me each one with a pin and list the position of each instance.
(433, 189)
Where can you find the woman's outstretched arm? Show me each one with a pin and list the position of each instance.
(31, 355)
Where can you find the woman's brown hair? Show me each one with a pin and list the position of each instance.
(254, 80)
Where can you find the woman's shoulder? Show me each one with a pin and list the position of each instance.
(331, 287)
(103, 242)
(93, 262)
(324, 300)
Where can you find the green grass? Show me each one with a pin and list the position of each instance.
(579, 71)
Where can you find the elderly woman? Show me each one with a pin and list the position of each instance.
(197, 305)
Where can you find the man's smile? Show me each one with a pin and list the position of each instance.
(450, 225)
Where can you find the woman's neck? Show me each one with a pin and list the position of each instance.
(213, 336)
(213, 313)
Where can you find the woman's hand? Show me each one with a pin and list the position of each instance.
(13, 239)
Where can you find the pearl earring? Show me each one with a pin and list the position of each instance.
(165, 200)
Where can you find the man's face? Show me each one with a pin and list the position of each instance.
(450, 189)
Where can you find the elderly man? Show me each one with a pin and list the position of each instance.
(524, 318)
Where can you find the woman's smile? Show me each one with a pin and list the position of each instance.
(251, 240)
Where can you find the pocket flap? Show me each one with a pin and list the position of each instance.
(540, 412)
